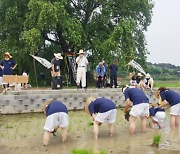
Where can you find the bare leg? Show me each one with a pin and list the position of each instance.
(96, 129)
(111, 129)
(46, 138)
(159, 124)
(177, 122)
(172, 122)
(63, 134)
(151, 124)
(143, 124)
(132, 124)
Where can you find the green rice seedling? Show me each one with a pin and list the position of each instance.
(70, 126)
(34, 133)
(156, 140)
(25, 134)
(82, 151)
(90, 123)
(85, 151)
(16, 131)
(101, 152)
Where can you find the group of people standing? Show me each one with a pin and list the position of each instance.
(82, 65)
(102, 109)
(101, 74)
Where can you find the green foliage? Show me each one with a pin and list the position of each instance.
(163, 71)
(105, 28)
(82, 151)
(157, 139)
(85, 151)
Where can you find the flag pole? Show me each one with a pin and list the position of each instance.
(35, 72)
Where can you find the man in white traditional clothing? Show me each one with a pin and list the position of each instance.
(82, 62)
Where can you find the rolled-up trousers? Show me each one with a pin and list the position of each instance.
(81, 76)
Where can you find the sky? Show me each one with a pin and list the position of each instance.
(163, 35)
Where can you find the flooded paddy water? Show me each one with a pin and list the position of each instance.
(23, 133)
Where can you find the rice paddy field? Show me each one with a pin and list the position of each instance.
(23, 134)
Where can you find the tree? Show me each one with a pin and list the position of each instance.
(104, 28)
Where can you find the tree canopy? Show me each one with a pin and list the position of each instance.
(104, 28)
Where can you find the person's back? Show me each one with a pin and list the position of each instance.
(171, 96)
(101, 105)
(158, 115)
(55, 107)
(136, 96)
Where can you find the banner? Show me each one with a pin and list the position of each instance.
(43, 61)
(137, 66)
(72, 63)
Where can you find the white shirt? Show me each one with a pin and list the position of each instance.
(24, 74)
(83, 61)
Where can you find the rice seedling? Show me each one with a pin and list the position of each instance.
(90, 123)
(101, 152)
(70, 126)
(85, 151)
(156, 140)
(82, 151)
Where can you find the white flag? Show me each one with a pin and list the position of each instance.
(137, 66)
(43, 61)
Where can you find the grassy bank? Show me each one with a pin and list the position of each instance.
(169, 84)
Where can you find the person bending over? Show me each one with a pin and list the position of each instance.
(171, 98)
(101, 109)
(140, 107)
(56, 116)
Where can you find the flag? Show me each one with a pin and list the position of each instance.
(137, 66)
(43, 61)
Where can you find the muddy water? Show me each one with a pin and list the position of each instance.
(23, 134)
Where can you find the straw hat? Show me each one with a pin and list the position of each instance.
(7, 54)
(45, 105)
(148, 75)
(81, 52)
(58, 55)
(139, 74)
(131, 75)
(90, 99)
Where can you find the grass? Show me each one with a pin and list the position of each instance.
(169, 84)
(156, 140)
(85, 151)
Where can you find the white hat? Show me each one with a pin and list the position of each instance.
(139, 74)
(148, 75)
(81, 52)
(127, 86)
(58, 55)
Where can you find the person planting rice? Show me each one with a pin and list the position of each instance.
(56, 116)
(140, 107)
(101, 109)
(169, 97)
(157, 115)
